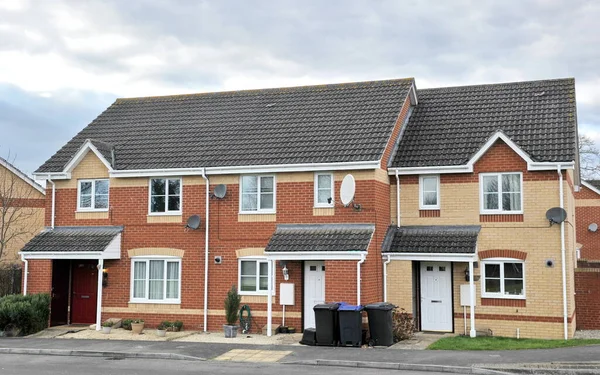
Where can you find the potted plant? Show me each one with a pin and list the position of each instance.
(161, 330)
(126, 324)
(232, 306)
(107, 327)
(177, 326)
(137, 326)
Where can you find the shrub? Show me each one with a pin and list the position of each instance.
(108, 324)
(177, 325)
(28, 314)
(137, 321)
(126, 324)
(162, 326)
(403, 325)
(232, 305)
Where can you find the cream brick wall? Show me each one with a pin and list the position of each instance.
(399, 284)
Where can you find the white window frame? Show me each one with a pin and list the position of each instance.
(423, 206)
(147, 259)
(258, 185)
(316, 190)
(93, 197)
(166, 212)
(501, 262)
(499, 210)
(258, 260)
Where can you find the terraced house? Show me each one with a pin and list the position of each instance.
(161, 204)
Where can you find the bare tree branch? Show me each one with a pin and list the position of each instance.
(589, 156)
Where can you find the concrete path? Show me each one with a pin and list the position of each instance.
(458, 361)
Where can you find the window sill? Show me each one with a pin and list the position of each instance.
(503, 302)
(256, 294)
(507, 297)
(155, 302)
(271, 212)
(164, 219)
(179, 213)
(429, 213)
(260, 217)
(80, 211)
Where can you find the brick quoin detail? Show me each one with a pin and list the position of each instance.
(515, 254)
(429, 213)
(501, 218)
(503, 302)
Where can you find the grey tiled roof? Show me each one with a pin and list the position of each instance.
(321, 237)
(594, 183)
(311, 124)
(69, 239)
(431, 239)
(449, 125)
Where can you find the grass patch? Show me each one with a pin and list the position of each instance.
(505, 343)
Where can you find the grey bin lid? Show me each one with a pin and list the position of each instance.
(351, 308)
(327, 306)
(380, 306)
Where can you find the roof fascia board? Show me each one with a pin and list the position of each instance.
(316, 255)
(52, 176)
(414, 100)
(22, 176)
(75, 160)
(63, 255)
(242, 169)
(450, 257)
(591, 187)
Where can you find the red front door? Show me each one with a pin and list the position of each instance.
(85, 290)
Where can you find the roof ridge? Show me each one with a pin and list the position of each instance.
(497, 84)
(339, 85)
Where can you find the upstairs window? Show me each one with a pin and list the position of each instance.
(501, 193)
(165, 196)
(92, 195)
(503, 279)
(429, 192)
(257, 194)
(323, 190)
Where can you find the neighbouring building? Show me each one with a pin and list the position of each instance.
(587, 274)
(163, 203)
(22, 203)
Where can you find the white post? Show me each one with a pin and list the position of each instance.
(99, 301)
(473, 333)
(385, 296)
(206, 232)
(361, 261)
(269, 296)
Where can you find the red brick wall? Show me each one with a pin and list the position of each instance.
(584, 216)
(39, 276)
(295, 201)
(587, 299)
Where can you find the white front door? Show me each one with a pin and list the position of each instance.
(314, 290)
(436, 296)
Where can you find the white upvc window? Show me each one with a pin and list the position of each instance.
(253, 276)
(165, 196)
(503, 278)
(92, 195)
(429, 192)
(156, 280)
(324, 190)
(501, 193)
(257, 194)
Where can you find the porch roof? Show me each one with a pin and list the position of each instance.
(438, 239)
(320, 238)
(75, 243)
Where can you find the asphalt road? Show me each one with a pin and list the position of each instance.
(11, 364)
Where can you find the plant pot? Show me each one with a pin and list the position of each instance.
(230, 331)
(106, 330)
(137, 328)
(161, 332)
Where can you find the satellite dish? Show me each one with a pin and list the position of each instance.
(593, 227)
(193, 222)
(347, 190)
(220, 191)
(556, 215)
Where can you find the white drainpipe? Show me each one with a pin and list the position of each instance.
(99, 296)
(397, 199)
(389, 259)
(361, 261)
(206, 250)
(53, 203)
(26, 274)
(562, 255)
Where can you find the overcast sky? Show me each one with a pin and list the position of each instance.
(63, 62)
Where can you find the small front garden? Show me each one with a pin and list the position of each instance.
(24, 315)
(505, 343)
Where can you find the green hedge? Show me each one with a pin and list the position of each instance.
(27, 314)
